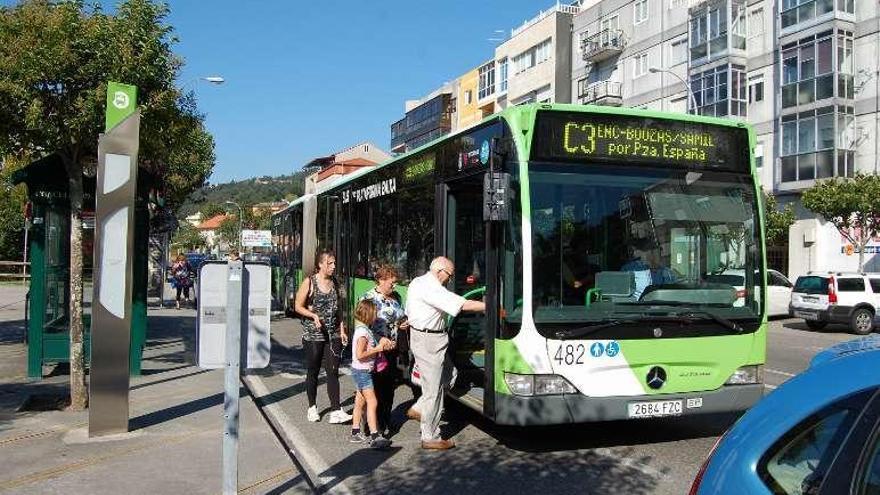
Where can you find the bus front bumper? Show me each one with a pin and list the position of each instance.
(577, 408)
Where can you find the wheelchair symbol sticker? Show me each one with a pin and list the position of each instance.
(612, 349)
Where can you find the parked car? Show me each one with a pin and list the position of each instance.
(778, 289)
(818, 433)
(848, 298)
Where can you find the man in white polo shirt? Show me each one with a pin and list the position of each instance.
(428, 303)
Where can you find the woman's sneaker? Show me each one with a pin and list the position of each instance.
(380, 443)
(358, 437)
(339, 416)
(313, 415)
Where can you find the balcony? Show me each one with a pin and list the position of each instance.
(603, 45)
(607, 93)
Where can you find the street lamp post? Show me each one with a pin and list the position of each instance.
(233, 203)
(215, 80)
(687, 86)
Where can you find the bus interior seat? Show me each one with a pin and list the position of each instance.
(616, 286)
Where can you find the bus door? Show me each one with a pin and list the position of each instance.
(465, 244)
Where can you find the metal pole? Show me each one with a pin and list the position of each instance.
(687, 85)
(233, 373)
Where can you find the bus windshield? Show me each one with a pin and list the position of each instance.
(639, 242)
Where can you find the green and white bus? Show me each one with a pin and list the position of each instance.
(602, 240)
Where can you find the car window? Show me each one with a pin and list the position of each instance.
(798, 462)
(875, 285)
(811, 284)
(776, 279)
(851, 285)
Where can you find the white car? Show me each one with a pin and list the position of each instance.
(778, 289)
(850, 298)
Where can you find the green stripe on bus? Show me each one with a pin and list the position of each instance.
(508, 358)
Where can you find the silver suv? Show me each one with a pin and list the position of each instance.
(850, 298)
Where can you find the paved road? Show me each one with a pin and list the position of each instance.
(657, 457)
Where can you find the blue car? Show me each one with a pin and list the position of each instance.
(817, 434)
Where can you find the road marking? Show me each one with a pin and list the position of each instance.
(632, 463)
(777, 372)
(771, 387)
(274, 477)
(40, 434)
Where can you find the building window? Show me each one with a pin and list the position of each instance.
(582, 87)
(720, 91)
(502, 75)
(759, 155)
(810, 145)
(708, 28)
(640, 11)
(678, 51)
(468, 97)
(543, 51)
(808, 69)
(756, 88)
(539, 53)
(640, 65)
(487, 80)
(756, 23)
(797, 11)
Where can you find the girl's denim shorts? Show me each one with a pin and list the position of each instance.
(362, 379)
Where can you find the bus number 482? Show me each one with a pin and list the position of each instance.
(570, 354)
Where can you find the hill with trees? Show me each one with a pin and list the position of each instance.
(210, 198)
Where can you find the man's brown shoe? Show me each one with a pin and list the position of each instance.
(438, 444)
(413, 414)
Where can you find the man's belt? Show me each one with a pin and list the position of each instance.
(427, 331)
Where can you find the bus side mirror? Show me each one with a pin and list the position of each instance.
(496, 196)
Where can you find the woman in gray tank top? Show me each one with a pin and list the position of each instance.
(318, 301)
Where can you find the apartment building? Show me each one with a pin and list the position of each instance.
(425, 119)
(786, 66)
(533, 65)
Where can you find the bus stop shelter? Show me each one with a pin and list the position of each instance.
(48, 319)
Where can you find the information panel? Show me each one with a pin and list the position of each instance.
(211, 324)
(627, 139)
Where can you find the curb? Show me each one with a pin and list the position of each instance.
(314, 467)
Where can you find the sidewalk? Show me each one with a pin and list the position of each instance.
(337, 466)
(174, 445)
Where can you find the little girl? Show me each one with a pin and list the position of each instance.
(363, 360)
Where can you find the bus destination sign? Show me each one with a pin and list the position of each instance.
(623, 139)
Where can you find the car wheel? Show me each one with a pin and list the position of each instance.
(816, 325)
(862, 321)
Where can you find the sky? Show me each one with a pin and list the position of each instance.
(306, 79)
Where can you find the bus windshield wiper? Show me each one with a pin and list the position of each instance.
(692, 314)
(579, 332)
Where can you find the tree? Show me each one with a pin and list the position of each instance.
(55, 61)
(12, 203)
(776, 221)
(188, 237)
(211, 210)
(851, 205)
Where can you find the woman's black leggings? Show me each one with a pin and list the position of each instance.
(329, 353)
(384, 383)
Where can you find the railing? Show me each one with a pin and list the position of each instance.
(600, 90)
(606, 42)
(561, 8)
(14, 270)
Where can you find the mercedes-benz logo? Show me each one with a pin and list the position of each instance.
(656, 377)
(658, 332)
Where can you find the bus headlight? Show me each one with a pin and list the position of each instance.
(747, 375)
(529, 385)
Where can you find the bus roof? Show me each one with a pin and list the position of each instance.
(527, 113)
